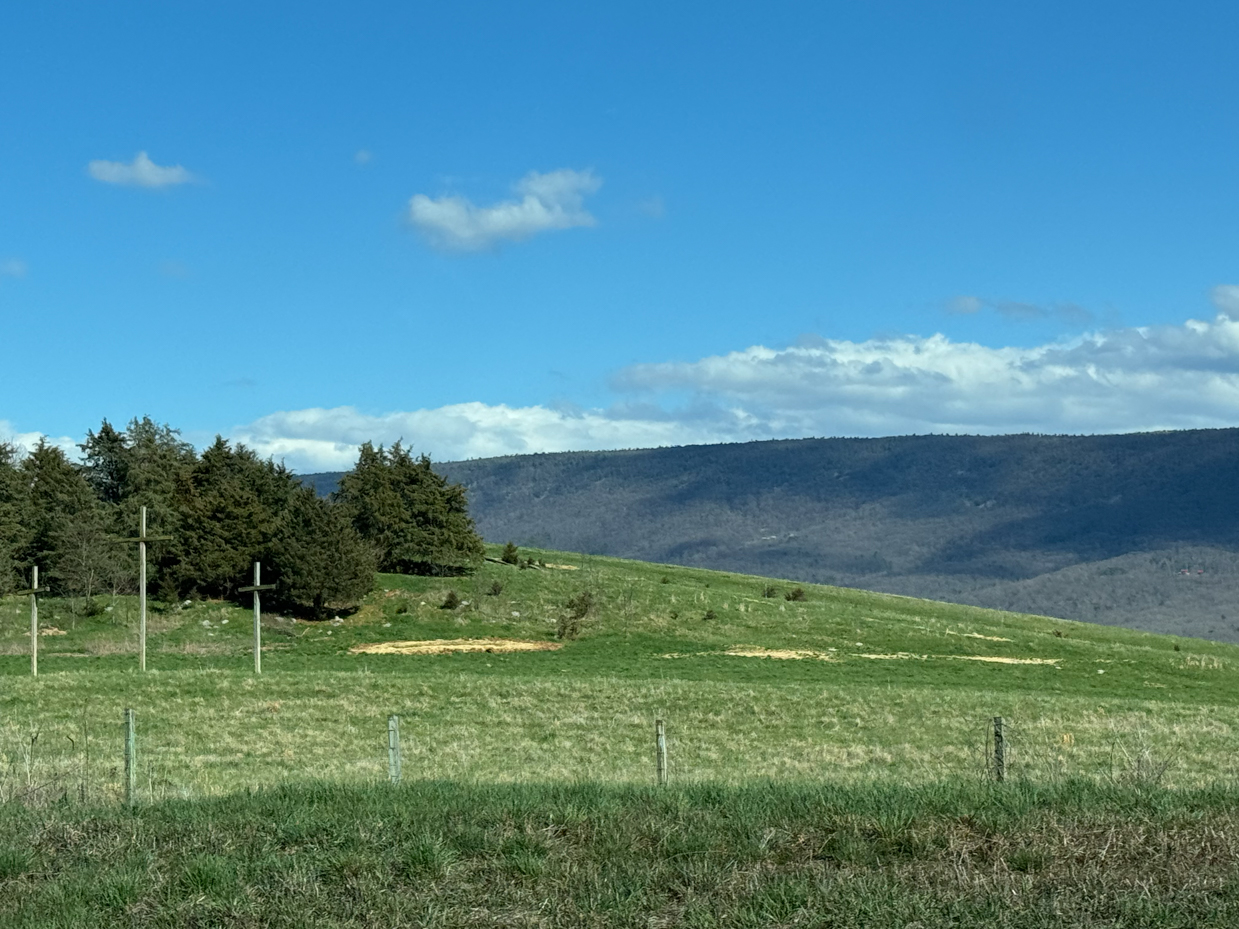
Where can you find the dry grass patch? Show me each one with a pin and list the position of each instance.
(977, 635)
(996, 659)
(787, 654)
(450, 646)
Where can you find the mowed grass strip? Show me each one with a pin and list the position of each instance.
(451, 854)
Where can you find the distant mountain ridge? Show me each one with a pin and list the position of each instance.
(1097, 528)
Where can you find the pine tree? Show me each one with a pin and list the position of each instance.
(319, 559)
(228, 505)
(417, 521)
(13, 519)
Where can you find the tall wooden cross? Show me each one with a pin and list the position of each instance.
(142, 539)
(34, 618)
(254, 589)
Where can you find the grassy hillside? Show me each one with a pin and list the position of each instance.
(1032, 523)
(865, 686)
(827, 762)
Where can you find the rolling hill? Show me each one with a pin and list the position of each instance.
(1137, 530)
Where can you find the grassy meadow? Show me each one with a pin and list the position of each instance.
(884, 687)
(828, 758)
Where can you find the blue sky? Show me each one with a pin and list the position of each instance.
(497, 228)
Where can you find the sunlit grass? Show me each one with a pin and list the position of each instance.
(1108, 704)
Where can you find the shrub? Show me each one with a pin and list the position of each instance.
(496, 589)
(573, 621)
(796, 594)
(665, 580)
(769, 591)
(710, 616)
(511, 554)
(451, 601)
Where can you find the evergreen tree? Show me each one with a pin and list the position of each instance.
(228, 503)
(13, 522)
(319, 559)
(416, 520)
(142, 466)
(66, 527)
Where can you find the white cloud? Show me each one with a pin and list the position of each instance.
(1168, 377)
(141, 172)
(328, 439)
(1226, 298)
(12, 267)
(25, 441)
(554, 200)
(362, 156)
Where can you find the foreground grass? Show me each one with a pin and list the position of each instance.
(451, 854)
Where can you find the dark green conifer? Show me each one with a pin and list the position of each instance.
(415, 519)
(319, 560)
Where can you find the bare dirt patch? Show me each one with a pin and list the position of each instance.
(786, 654)
(756, 651)
(977, 635)
(450, 646)
(996, 659)
(562, 567)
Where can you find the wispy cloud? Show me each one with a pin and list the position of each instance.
(12, 267)
(1119, 380)
(362, 157)
(1018, 311)
(546, 202)
(141, 172)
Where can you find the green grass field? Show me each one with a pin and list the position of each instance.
(878, 697)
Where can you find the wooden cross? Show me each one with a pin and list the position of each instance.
(34, 618)
(254, 589)
(142, 539)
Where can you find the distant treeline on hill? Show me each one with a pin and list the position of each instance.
(220, 511)
(1094, 528)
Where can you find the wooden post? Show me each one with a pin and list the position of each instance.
(660, 741)
(131, 766)
(1000, 751)
(34, 618)
(142, 539)
(257, 586)
(142, 594)
(393, 749)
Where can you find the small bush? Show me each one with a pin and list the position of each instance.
(573, 621)
(402, 609)
(451, 601)
(495, 589)
(710, 616)
(674, 614)
(796, 594)
(511, 554)
(769, 591)
(665, 580)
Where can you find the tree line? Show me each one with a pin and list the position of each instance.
(222, 509)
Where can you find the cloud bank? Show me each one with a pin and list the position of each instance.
(141, 172)
(554, 200)
(1136, 379)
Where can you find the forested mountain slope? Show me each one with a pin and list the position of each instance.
(1097, 528)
